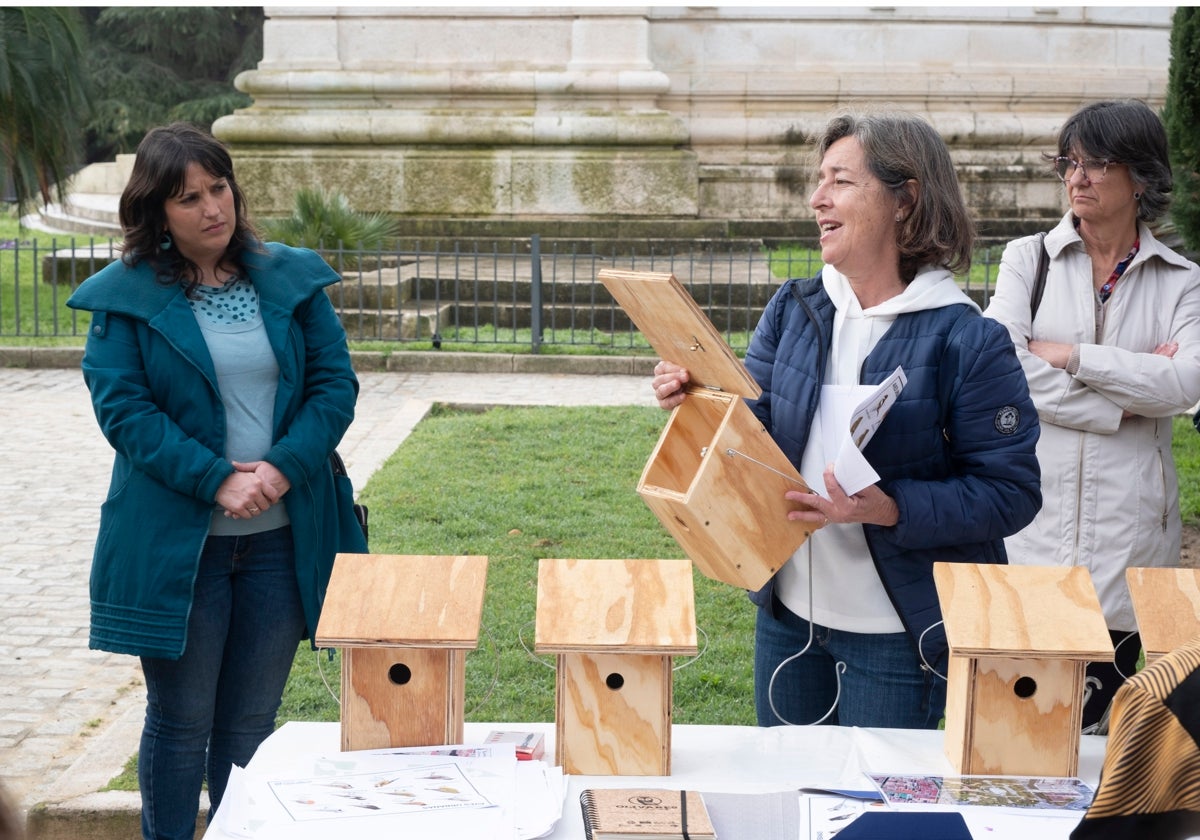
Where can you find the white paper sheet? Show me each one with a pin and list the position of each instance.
(850, 416)
(460, 791)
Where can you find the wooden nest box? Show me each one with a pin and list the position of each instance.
(1020, 638)
(614, 625)
(716, 479)
(404, 624)
(1166, 602)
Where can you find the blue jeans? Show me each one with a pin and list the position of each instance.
(212, 707)
(883, 685)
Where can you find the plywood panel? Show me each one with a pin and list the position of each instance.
(678, 329)
(1024, 718)
(1022, 611)
(716, 482)
(960, 674)
(630, 606)
(613, 714)
(403, 600)
(1167, 605)
(716, 479)
(401, 697)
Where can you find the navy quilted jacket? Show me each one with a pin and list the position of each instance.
(956, 452)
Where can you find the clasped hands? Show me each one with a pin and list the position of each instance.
(251, 489)
(870, 505)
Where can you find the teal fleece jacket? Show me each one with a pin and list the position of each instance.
(154, 392)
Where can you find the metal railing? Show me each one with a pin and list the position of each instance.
(525, 293)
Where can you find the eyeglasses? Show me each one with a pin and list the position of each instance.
(1093, 170)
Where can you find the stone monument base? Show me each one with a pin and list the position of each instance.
(497, 183)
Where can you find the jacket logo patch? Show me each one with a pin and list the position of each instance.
(1008, 419)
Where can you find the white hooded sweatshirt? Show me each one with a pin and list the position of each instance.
(847, 593)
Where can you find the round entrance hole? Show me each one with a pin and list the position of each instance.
(400, 674)
(614, 681)
(1025, 687)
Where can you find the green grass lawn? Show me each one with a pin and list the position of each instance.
(1185, 446)
(33, 310)
(518, 485)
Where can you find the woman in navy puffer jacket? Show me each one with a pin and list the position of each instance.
(955, 455)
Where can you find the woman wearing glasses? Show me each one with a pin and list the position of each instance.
(1112, 355)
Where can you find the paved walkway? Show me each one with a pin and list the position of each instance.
(70, 717)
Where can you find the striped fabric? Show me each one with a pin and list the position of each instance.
(1150, 783)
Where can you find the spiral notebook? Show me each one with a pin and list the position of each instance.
(643, 813)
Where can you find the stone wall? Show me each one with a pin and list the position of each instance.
(662, 121)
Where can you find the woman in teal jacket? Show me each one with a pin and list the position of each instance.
(219, 373)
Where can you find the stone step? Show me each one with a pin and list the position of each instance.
(71, 266)
(79, 218)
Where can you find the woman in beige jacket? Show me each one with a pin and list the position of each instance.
(1112, 355)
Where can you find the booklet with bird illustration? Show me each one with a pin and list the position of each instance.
(849, 417)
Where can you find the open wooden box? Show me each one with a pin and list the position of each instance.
(1020, 638)
(1166, 602)
(404, 624)
(614, 624)
(716, 479)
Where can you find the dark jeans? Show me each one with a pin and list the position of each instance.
(211, 708)
(883, 685)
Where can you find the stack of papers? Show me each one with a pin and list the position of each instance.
(448, 792)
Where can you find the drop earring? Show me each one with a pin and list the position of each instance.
(165, 243)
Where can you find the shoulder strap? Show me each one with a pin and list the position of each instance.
(1039, 280)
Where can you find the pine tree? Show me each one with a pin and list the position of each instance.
(1181, 116)
(152, 65)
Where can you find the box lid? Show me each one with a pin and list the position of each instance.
(1034, 612)
(394, 600)
(678, 329)
(615, 606)
(1166, 602)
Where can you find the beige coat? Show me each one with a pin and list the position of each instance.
(1110, 495)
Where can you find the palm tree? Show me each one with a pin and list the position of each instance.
(43, 101)
(324, 219)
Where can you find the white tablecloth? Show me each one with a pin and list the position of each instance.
(736, 759)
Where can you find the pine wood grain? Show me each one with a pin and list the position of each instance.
(398, 600)
(628, 606)
(678, 329)
(716, 479)
(1022, 611)
(613, 714)
(1166, 603)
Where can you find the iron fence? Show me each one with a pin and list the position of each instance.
(527, 293)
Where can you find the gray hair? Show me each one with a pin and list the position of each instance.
(900, 148)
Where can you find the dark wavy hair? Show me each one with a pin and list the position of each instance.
(1124, 131)
(159, 172)
(901, 147)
